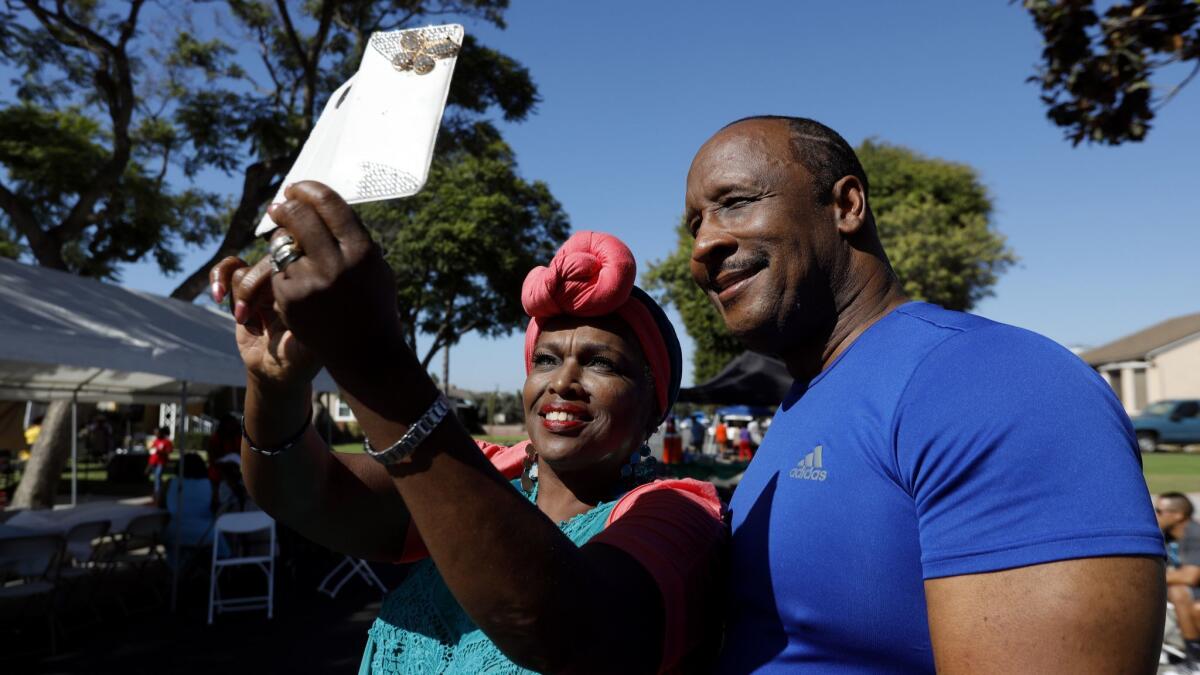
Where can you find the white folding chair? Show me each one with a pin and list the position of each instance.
(356, 567)
(242, 524)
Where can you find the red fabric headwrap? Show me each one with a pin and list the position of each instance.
(592, 275)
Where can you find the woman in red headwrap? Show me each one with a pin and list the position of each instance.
(562, 553)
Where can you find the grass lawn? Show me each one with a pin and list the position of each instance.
(1167, 472)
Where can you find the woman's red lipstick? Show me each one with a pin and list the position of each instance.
(558, 417)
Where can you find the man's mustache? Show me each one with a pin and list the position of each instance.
(743, 264)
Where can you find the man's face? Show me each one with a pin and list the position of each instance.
(763, 248)
(1168, 514)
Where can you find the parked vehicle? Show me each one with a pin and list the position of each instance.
(1173, 421)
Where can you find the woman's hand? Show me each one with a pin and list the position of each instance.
(273, 356)
(339, 297)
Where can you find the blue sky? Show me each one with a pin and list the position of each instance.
(1109, 238)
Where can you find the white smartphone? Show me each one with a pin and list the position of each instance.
(374, 139)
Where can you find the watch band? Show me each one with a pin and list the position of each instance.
(402, 449)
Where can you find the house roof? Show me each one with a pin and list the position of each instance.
(1137, 346)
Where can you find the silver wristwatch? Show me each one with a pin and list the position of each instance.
(401, 450)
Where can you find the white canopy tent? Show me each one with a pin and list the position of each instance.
(66, 337)
(63, 336)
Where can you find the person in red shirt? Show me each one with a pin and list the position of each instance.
(160, 451)
(672, 444)
(721, 436)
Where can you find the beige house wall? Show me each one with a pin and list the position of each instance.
(1175, 372)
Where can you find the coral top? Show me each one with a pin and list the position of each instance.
(673, 528)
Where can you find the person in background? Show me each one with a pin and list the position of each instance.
(697, 433)
(189, 505)
(756, 434)
(672, 443)
(99, 441)
(1174, 513)
(225, 441)
(745, 449)
(721, 437)
(31, 435)
(160, 451)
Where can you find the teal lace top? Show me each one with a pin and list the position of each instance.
(422, 629)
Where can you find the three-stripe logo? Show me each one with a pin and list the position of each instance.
(811, 467)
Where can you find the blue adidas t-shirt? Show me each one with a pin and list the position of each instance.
(938, 444)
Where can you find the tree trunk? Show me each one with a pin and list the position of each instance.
(48, 458)
(446, 370)
(259, 185)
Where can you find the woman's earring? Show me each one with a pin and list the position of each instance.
(529, 469)
(641, 465)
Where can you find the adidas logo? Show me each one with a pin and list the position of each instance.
(810, 468)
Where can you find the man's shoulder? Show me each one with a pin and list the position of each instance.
(982, 342)
(1191, 535)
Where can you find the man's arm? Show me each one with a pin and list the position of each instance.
(1185, 575)
(1091, 615)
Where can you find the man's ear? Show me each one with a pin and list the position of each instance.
(849, 205)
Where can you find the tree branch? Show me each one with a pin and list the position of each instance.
(23, 219)
(261, 183)
(1175, 90)
(310, 64)
(119, 97)
(293, 37)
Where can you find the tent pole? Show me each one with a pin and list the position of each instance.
(328, 420)
(181, 424)
(74, 446)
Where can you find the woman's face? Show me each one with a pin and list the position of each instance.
(588, 397)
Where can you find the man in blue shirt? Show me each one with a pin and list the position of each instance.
(936, 488)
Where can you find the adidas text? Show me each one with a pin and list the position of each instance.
(811, 467)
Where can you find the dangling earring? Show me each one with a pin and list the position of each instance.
(529, 469)
(641, 467)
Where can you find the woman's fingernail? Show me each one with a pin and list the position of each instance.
(239, 312)
(218, 291)
(272, 209)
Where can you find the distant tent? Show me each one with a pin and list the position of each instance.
(744, 411)
(750, 379)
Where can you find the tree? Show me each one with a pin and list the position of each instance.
(117, 104)
(671, 279)
(1095, 71)
(933, 218)
(461, 247)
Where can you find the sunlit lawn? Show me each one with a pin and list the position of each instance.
(1164, 471)
(1172, 472)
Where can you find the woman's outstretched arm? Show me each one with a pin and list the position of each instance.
(548, 604)
(344, 502)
